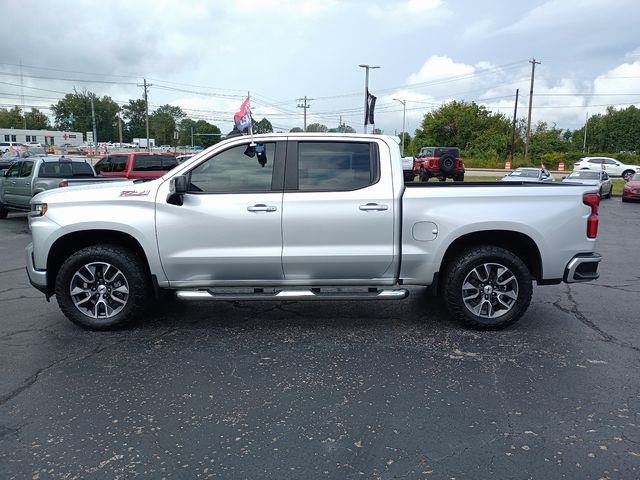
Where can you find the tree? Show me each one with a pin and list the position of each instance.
(134, 115)
(407, 141)
(163, 122)
(317, 127)
(263, 126)
(296, 130)
(36, 120)
(11, 118)
(77, 105)
(468, 126)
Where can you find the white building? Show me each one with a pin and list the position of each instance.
(43, 137)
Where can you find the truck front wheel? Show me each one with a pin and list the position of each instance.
(102, 287)
(487, 287)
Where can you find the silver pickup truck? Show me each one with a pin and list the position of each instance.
(27, 177)
(307, 217)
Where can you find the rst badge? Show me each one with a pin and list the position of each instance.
(134, 193)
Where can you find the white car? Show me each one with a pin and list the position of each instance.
(613, 167)
(587, 177)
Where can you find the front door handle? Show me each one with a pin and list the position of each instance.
(261, 207)
(373, 207)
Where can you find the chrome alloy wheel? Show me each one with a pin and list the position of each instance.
(490, 290)
(99, 290)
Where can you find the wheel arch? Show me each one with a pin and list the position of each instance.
(70, 243)
(518, 243)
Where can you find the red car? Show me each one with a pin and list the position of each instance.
(631, 190)
(135, 165)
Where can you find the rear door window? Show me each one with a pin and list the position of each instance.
(336, 166)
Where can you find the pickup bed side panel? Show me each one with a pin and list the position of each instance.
(553, 217)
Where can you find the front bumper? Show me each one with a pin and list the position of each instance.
(37, 278)
(582, 268)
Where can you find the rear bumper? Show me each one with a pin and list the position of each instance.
(582, 268)
(37, 278)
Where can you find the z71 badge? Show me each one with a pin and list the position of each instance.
(134, 193)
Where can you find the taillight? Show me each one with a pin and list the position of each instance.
(592, 200)
(63, 183)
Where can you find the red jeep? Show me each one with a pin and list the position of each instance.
(439, 162)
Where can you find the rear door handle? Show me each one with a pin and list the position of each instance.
(261, 207)
(373, 207)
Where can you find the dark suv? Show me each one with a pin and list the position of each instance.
(439, 162)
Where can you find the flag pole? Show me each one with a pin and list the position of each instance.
(251, 118)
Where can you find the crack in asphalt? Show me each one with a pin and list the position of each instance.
(11, 270)
(615, 287)
(32, 379)
(581, 317)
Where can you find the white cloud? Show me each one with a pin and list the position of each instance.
(416, 6)
(288, 7)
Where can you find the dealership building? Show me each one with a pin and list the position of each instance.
(43, 137)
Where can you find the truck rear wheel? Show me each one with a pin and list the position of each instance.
(3, 212)
(487, 287)
(102, 287)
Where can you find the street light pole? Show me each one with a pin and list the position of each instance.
(404, 113)
(366, 91)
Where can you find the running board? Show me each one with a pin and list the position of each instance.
(298, 295)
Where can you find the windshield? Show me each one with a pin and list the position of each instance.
(585, 175)
(525, 172)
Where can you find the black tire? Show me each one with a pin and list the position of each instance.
(424, 175)
(497, 291)
(447, 163)
(624, 199)
(408, 176)
(4, 211)
(459, 177)
(131, 275)
(627, 174)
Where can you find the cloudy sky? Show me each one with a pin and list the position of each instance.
(205, 55)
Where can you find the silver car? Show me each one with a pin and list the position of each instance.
(589, 177)
(526, 174)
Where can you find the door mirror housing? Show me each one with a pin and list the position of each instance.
(178, 186)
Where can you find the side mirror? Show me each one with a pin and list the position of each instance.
(177, 188)
(564, 177)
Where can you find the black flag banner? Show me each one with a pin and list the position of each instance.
(371, 105)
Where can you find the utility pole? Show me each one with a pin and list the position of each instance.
(304, 105)
(586, 122)
(404, 113)
(146, 86)
(93, 123)
(513, 127)
(120, 129)
(24, 112)
(528, 138)
(366, 91)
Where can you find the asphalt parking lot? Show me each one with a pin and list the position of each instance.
(332, 390)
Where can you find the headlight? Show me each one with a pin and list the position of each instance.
(38, 209)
